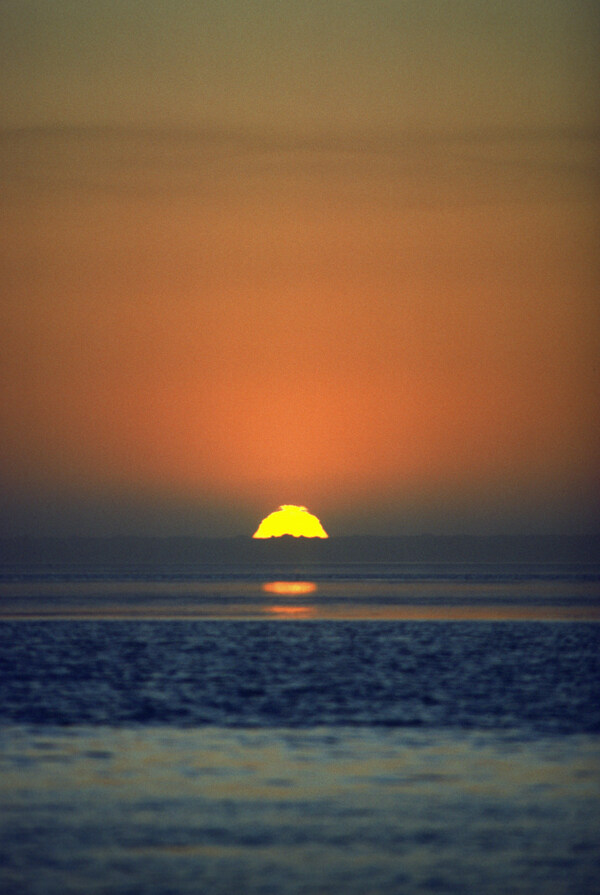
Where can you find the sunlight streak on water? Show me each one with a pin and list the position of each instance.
(289, 588)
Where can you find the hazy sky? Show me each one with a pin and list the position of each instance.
(340, 254)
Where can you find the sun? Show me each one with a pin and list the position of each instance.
(290, 520)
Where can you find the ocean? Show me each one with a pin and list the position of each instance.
(310, 730)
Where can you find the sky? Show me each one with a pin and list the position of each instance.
(342, 255)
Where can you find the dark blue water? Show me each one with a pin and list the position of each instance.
(528, 677)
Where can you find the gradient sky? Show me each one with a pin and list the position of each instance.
(339, 254)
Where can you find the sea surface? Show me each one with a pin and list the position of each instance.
(364, 730)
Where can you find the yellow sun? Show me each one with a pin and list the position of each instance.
(290, 520)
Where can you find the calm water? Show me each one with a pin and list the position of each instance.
(372, 590)
(279, 742)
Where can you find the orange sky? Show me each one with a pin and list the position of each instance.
(393, 324)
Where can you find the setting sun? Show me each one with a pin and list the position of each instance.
(290, 520)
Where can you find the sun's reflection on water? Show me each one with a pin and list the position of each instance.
(291, 611)
(289, 588)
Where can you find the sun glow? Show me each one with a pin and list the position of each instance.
(290, 520)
